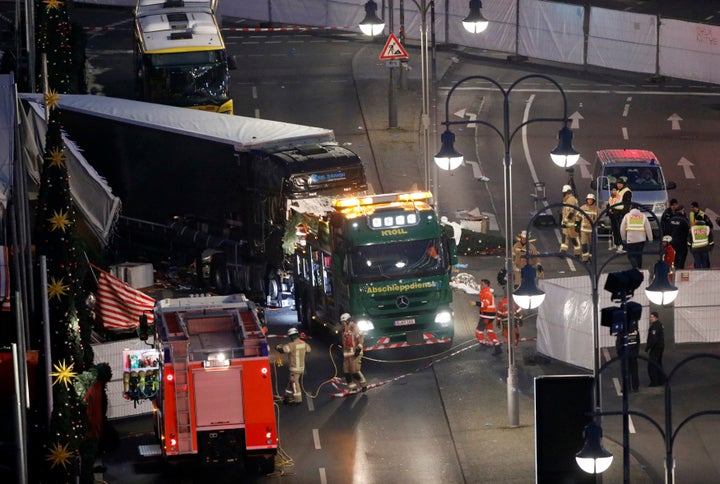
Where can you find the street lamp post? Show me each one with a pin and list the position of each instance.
(591, 451)
(660, 290)
(448, 159)
(372, 25)
(427, 81)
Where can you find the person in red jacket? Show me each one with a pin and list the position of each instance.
(484, 330)
(669, 254)
(502, 319)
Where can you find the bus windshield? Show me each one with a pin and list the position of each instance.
(415, 258)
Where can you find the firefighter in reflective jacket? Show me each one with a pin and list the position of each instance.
(296, 350)
(488, 312)
(352, 347)
(570, 222)
(700, 241)
(502, 320)
(586, 224)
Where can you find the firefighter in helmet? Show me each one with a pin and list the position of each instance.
(296, 350)
(352, 348)
(570, 224)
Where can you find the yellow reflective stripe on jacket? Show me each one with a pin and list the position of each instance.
(620, 195)
(636, 222)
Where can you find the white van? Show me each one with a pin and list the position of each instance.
(644, 177)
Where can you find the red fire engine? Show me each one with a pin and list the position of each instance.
(215, 400)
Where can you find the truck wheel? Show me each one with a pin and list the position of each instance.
(267, 466)
(308, 311)
(219, 274)
(299, 309)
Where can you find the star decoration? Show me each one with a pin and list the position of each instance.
(57, 157)
(52, 98)
(59, 454)
(51, 4)
(57, 288)
(59, 220)
(63, 373)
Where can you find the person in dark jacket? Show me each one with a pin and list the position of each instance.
(654, 348)
(630, 341)
(668, 214)
(678, 227)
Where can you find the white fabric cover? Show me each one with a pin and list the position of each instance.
(565, 319)
(696, 307)
(90, 192)
(622, 40)
(242, 132)
(690, 51)
(551, 31)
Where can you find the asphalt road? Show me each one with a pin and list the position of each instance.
(419, 426)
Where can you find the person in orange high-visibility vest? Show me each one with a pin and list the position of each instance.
(635, 231)
(488, 311)
(502, 320)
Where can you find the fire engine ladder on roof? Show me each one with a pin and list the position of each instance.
(182, 399)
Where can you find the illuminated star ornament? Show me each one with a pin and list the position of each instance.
(63, 373)
(59, 220)
(57, 288)
(59, 455)
(52, 98)
(57, 157)
(51, 4)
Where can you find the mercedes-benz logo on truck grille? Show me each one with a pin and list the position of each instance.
(402, 302)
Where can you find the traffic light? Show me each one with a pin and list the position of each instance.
(621, 318)
(622, 284)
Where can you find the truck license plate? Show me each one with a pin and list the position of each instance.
(404, 322)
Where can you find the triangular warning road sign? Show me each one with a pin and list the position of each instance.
(393, 49)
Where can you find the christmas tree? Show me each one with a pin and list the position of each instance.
(66, 445)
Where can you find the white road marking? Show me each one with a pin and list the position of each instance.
(584, 164)
(316, 439)
(531, 166)
(618, 391)
(626, 110)
(311, 405)
(687, 167)
(323, 477)
(675, 121)
(254, 92)
(625, 134)
(575, 117)
(463, 113)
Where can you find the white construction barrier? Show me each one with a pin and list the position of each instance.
(690, 51)
(622, 40)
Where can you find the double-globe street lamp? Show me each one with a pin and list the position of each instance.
(593, 457)
(564, 155)
(372, 25)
